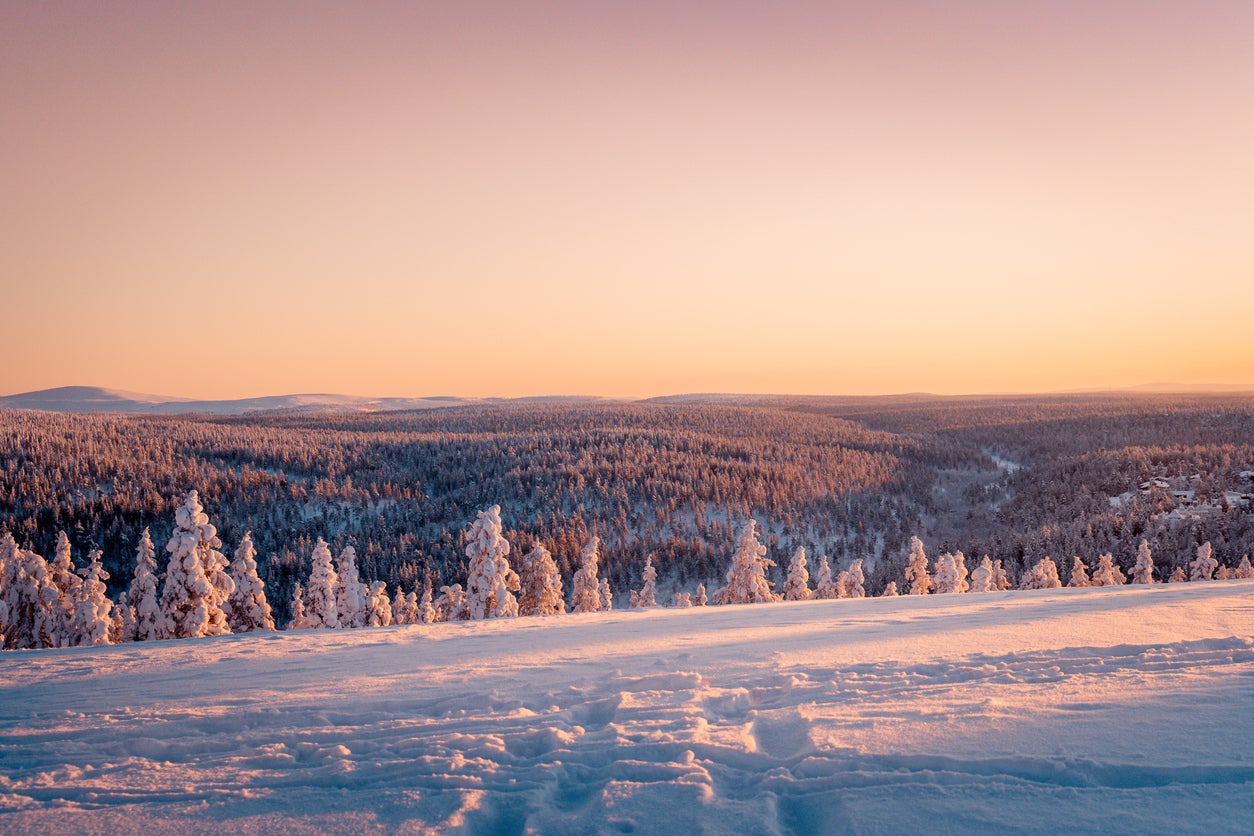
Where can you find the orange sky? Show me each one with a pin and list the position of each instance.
(235, 199)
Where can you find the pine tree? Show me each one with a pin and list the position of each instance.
(849, 584)
(191, 598)
(426, 609)
(682, 600)
(1244, 569)
(647, 595)
(1044, 575)
(1079, 574)
(1177, 576)
(916, 569)
(490, 580)
(951, 573)
(404, 607)
(746, 578)
(586, 596)
(982, 576)
(321, 607)
(1203, 568)
(247, 609)
(31, 600)
(300, 620)
(797, 586)
(607, 597)
(1143, 571)
(1107, 573)
(451, 605)
(148, 621)
(378, 608)
(541, 584)
(890, 590)
(66, 581)
(350, 592)
(93, 611)
(701, 599)
(825, 586)
(1000, 580)
(10, 568)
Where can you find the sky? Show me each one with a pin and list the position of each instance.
(235, 199)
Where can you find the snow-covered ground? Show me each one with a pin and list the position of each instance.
(1117, 710)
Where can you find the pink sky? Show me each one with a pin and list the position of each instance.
(235, 199)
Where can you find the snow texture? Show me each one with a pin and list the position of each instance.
(1119, 709)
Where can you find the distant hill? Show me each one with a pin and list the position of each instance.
(96, 399)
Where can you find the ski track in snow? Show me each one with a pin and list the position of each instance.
(1119, 710)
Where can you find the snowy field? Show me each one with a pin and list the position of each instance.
(1117, 710)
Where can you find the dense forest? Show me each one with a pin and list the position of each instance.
(853, 478)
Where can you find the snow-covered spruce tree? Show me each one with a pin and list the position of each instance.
(1223, 573)
(1079, 574)
(404, 607)
(890, 590)
(982, 576)
(9, 568)
(541, 584)
(797, 586)
(1044, 575)
(350, 592)
(1243, 569)
(300, 620)
(65, 580)
(1203, 567)
(916, 569)
(1001, 582)
(490, 581)
(825, 585)
(586, 595)
(1107, 573)
(321, 607)
(607, 597)
(681, 600)
(125, 613)
(951, 573)
(148, 622)
(192, 599)
(247, 610)
(700, 599)
(746, 577)
(1178, 576)
(849, 584)
(1143, 571)
(31, 600)
(647, 594)
(451, 605)
(426, 609)
(378, 607)
(93, 611)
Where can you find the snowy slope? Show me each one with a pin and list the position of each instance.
(1120, 709)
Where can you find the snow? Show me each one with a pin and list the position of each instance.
(1099, 709)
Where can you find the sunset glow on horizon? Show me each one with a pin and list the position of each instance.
(511, 199)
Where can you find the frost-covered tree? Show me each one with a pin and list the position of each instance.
(849, 584)
(490, 581)
(825, 585)
(1203, 567)
(404, 607)
(916, 569)
(797, 586)
(378, 607)
(1107, 573)
(982, 576)
(300, 620)
(746, 578)
(350, 592)
(146, 622)
(247, 609)
(426, 609)
(951, 573)
(192, 598)
(451, 605)
(700, 599)
(93, 611)
(607, 597)
(65, 580)
(1223, 573)
(1243, 569)
(1044, 575)
(890, 590)
(647, 594)
(682, 600)
(586, 595)
(541, 584)
(321, 605)
(1001, 581)
(1143, 571)
(31, 600)
(1079, 574)
(1177, 576)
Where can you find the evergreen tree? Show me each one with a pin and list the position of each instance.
(148, 622)
(797, 586)
(350, 592)
(1203, 567)
(321, 607)
(452, 605)
(849, 584)
(247, 609)
(890, 590)
(1044, 575)
(982, 576)
(1079, 574)
(490, 580)
(541, 584)
(300, 620)
(825, 586)
(93, 611)
(426, 609)
(404, 607)
(701, 600)
(378, 608)
(1107, 573)
(916, 569)
(647, 595)
(746, 578)
(1143, 571)
(1000, 580)
(951, 573)
(607, 597)
(587, 587)
(190, 600)
(65, 580)
(1177, 576)
(1244, 569)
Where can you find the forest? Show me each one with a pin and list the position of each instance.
(666, 483)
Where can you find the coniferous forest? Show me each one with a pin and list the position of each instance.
(665, 486)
